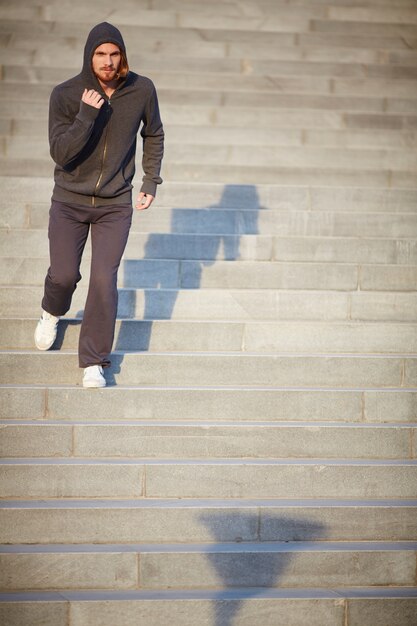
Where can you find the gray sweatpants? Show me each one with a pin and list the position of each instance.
(69, 226)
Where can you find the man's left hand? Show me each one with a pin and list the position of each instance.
(144, 201)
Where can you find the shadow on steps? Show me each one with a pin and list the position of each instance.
(239, 205)
(251, 572)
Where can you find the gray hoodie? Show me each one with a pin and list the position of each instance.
(94, 149)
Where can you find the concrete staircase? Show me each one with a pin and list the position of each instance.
(253, 461)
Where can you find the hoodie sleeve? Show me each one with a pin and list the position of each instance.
(68, 136)
(152, 133)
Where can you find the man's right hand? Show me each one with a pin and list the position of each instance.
(93, 98)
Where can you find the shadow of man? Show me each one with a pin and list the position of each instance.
(250, 570)
(202, 236)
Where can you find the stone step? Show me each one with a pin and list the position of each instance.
(282, 94)
(368, 20)
(292, 304)
(371, 22)
(206, 440)
(202, 403)
(27, 192)
(221, 219)
(204, 566)
(189, 521)
(260, 72)
(151, 273)
(236, 57)
(250, 336)
(283, 21)
(397, 43)
(321, 607)
(242, 53)
(16, 148)
(217, 226)
(252, 175)
(196, 51)
(231, 305)
(218, 221)
(240, 57)
(220, 478)
(281, 157)
(344, 40)
(240, 175)
(270, 78)
(377, 11)
(246, 197)
(233, 116)
(388, 140)
(381, 15)
(163, 19)
(301, 5)
(219, 369)
(205, 248)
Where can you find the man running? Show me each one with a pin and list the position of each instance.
(94, 119)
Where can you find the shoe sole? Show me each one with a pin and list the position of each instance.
(44, 349)
(93, 385)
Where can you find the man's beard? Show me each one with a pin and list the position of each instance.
(107, 76)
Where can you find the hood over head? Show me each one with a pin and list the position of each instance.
(101, 33)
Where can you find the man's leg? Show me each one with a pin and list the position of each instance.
(67, 236)
(109, 233)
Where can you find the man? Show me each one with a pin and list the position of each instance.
(94, 119)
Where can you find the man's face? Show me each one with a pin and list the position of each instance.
(106, 62)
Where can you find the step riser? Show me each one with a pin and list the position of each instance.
(253, 175)
(369, 17)
(160, 304)
(195, 57)
(225, 370)
(170, 442)
(157, 525)
(249, 248)
(180, 612)
(224, 44)
(27, 191)
(161, 336)
(217, 224)
(204, 571)
(203, 404)
(263, 156)
(235, 116)
(220, 44)
(240, 175)
(225, 275)
(248, 76)
(388, 140)
(338, 95)
(283, 482)
(120, 480)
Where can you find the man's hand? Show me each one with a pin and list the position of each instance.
(93, 98)
(144, 201)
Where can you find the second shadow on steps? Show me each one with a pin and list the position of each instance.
(241, 572)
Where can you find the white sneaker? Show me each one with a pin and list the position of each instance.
(45, 333)
(93, 377)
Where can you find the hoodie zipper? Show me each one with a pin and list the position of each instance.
(103, 158)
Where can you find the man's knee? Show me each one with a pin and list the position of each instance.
(64, 278)
(103, 282)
